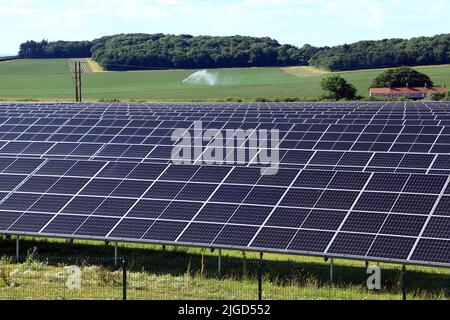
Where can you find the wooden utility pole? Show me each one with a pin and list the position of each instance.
(77, 81)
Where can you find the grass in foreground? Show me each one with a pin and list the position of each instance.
(51, 80)
(179, 273)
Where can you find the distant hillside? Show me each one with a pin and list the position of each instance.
(160, 51)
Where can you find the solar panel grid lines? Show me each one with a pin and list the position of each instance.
(77, 194)
(136, 203)
(209, 199)
(277, 205)
(406, 190)
(351, 209)
(19, 216)
(425, 225)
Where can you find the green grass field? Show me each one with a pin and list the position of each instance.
(51, 80)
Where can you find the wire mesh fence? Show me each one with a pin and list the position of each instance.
(172, 276)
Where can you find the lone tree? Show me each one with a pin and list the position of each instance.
(337, 88)
(402, 77)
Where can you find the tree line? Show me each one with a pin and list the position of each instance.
(141, 51)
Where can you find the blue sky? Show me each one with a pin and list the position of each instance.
(318, 22)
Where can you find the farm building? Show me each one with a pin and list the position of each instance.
(409, 92)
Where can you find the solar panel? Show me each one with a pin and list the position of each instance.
(367, 181)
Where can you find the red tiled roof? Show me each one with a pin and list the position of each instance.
(404, 90)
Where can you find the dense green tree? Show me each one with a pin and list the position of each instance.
(402, 77)
(337, 88)
(143, 51)
(388, 53)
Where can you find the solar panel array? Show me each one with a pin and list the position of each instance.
(367, 180)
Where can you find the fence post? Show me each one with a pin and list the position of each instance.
(124, 279)
(17, 249)
(404, 291)
(331, 271)
(116, 254)
(219, 271)
(260, 284)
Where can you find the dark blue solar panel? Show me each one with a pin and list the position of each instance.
(392, 247)
(265, 196)
(64, 224)
(201, 233)
(83, 205)
(273, 238)
(56, 167)
(8, 218)
(364, 222)
(244, 176)
(287, 217)
(443, 209)
(311, 241)
(301, 198)
(146, 171)
(97, 227)
(219, 213)
(5, 163)
(24, 166)
(251, 215)
(131, 229)
(19, 201)
(376, 201)
(148, 209)
(10, 182)
(352, 244)
(62, 149)
(438, 227)
(179, 173)
(184, 211)
(131, 189)
(432, 250)
(165, 231)
(117, 170)
(314, 179)
(68, 185)
(100, 187)
(196, 192)
(38, 184)
(50, 203)
(387, 182)
(164, 190)
(85, 169)
(403, 225)
(417, 161)
(425, 184)
(114, 207)
(342, 200)
(211, 174)
(31, 222)
(324, 220)
(388, 160)
(281, 178)
(415, 204)
(233, 235)
(349, 180)
(231, 194)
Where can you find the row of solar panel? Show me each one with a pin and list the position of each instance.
(358, 161)
(369, 245)
(410, 107)
(90, 207)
